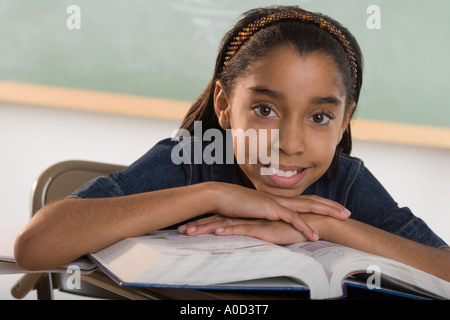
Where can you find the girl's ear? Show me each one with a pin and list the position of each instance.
(222, 105)
(346, 121)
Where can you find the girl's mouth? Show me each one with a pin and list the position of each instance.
(284, 173)
(283, 176)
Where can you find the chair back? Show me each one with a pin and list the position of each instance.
(56, 183)
(61, 179)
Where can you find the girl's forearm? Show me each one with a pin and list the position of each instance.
(68, 229)
(366, 238)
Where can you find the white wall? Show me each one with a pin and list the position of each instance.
(33, 138)
(416, 177)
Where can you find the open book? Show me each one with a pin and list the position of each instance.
(169, 259)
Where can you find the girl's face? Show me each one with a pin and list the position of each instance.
(302, 97)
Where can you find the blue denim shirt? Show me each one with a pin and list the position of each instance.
(354, 187)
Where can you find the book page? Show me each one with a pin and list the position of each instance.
(172, 259)
(176, 244)
(328, 254)
(154, 254)
(339, 262)
(10, 268)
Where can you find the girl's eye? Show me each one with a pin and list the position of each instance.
(321, 118)
(264, 111)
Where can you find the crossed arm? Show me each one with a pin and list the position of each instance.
(68, 229)
(335, 227)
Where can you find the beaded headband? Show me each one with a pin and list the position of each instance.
(265, 22)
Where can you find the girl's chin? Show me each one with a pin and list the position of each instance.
(277, 191)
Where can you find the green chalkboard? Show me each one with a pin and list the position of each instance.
(168, 48)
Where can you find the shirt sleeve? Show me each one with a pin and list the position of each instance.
(370, 203)
(153, 171)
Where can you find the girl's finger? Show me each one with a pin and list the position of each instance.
(192, 224)
(207, 225)
(264, 231)
(315, 204)
(295, 219)
(303, 227)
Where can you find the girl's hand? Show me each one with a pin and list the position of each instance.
(239, 202)
(278, 232)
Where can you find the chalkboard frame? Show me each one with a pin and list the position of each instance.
(168, 109)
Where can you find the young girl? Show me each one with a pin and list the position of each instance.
(283, 69)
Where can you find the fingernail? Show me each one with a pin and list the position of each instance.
(182, 228)
(192, 229)
(316, 236)
(346, 212)
(220, 230)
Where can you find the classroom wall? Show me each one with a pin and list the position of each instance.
(151, 47)
(33, 138)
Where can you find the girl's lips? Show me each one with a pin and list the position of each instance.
(284, 176)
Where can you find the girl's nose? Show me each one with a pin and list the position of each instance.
(292, 139)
